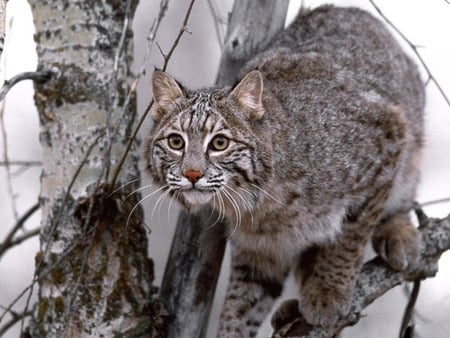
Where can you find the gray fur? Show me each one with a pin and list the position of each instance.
(324, 145)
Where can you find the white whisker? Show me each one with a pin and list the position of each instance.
(123, 185)
(159, 203)
(220, 210)
(142, 201)
(236, 209)
(265, 192)
(139, 189)
(249, 205)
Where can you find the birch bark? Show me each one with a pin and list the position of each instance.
(94, 277)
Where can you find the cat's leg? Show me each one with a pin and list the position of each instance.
(249, 298)
(327, 272)
(326, 277)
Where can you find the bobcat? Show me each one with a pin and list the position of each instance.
(312, 153)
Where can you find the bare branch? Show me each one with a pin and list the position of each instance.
(9, 183)
(217, 22)
(21, 163)
(39, 76)
(114, 95)
(438, 201)
(9, 240)
(149, 106)
(376, 278)
(151, 38)
(180, 34)
(407, 316)
(16, 317)
(416, 52)
(2, 24)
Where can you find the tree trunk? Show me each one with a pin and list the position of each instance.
(197, 250)
(92, 270)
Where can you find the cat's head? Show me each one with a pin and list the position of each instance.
(209, 142)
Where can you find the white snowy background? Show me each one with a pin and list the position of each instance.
(194, 63)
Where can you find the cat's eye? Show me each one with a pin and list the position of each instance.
(219, 143)
(176, 142)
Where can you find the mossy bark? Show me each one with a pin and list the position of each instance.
(94, 277)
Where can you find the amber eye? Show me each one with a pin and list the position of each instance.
(176, 142)
(219, 143)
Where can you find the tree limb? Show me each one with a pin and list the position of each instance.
(39, 76)
(252, 25)
(376, 278)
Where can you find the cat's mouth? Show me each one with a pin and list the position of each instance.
(197, 197)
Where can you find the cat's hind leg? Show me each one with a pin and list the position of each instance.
(249, 299)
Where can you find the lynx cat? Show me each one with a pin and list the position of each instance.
(314, 151)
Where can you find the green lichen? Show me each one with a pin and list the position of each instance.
(59, 305)
(42, 310)
(58, 276)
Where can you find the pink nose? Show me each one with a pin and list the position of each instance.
(193, 175)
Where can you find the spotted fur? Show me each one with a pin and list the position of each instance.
(305, 158)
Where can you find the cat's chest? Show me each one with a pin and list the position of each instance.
(288, 228)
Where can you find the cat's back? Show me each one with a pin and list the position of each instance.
(344, 46)
(344, 84)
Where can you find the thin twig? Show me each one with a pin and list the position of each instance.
(217, 22)
(416, 51)
(36, 279)
(151, 38)
(180, 34)
(149, 106)
(9, 183)
(438, 201)
(38, 76)
(25, 236)
(8, 242)
(21, 163)
(2, 24)
(113, 92)
(409, 309)
(16, 317)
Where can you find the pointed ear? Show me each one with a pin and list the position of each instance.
(165, 91)
(248, 94)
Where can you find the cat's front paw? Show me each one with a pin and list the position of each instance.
(398, 244)
(323, 305)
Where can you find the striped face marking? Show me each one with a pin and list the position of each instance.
(200, 156)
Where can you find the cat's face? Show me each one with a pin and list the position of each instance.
(202, 147)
